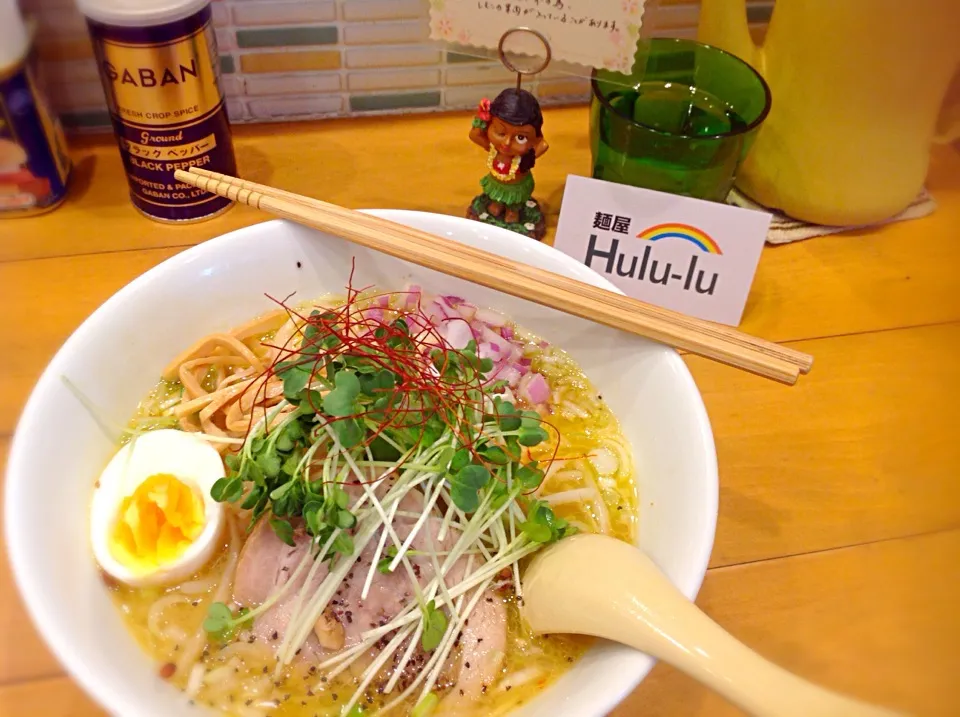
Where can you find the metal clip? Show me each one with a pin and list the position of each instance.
(513, 68)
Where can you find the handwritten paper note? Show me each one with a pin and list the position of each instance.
(685, 254)
(595, 33)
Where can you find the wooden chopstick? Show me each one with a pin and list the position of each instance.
(714, 341)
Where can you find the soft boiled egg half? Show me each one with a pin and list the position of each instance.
(152, 520)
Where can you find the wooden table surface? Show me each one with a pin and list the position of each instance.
(838, 545)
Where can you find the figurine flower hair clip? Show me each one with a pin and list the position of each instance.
(483, 114)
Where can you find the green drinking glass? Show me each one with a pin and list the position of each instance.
(681, 122)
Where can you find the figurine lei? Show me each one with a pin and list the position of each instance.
(509, 129)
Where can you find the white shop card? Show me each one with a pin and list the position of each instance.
(685, 254)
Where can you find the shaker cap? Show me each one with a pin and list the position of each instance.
(138, 13)
(14, 37)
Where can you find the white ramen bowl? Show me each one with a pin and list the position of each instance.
(116, 355)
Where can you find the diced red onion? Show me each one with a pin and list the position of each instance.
(507, 373)
(489, 336)
(490, 351)
(373, 314)
(446, 309)
(467, 311)
(413, 293)
(507, 332)
(458, 334)
(534, 389)
(491, 318)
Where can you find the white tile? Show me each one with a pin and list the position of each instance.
(571, 88)
(221, 14)
(384, 9)
(280, 13)
(60, 23)
(72, 71)
(399, 56)
(77, 95)
(299, 84)
(232, 85)
(686, 33)
(469, 97)
(478, 74)
(393, 79)
(36, 6)
(226, 40)
(282, 108)
(236, 110)
(371, 33)
(669, 17)
(568, 70)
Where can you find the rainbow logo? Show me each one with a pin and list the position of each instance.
(698, 238)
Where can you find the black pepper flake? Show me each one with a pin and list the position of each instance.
(176, 648)
(569, 659)
(483, 690)
(467, 665)
(264, 670)
(508, 688)
(247, 703)
(489, 599)
(335, 698)
(461, 693)
(479, 640)
(299, 264)
(303, 703)
(323, 679)
(309, 693)
(298, 651)
(195, 603)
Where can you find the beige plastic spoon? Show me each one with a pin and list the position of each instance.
(595, 585)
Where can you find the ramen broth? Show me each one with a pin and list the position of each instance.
(240, 676)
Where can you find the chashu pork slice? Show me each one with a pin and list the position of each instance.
(483, 645)
(266, 563)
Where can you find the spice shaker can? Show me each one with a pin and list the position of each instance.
(160, 71)
(34, 166)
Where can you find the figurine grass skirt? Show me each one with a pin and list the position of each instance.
(509, 194)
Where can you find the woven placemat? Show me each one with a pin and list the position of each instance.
(784, 229)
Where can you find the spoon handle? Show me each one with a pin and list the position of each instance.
(619, 594)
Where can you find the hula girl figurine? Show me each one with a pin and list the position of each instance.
(509, 129)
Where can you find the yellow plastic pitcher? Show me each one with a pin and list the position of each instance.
(857, 89)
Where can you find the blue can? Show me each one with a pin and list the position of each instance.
(34, 166)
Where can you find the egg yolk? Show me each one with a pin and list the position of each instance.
(157, 523)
